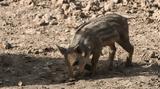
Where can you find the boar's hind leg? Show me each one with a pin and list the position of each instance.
(94, 61)
(126, 45)
(112, 51)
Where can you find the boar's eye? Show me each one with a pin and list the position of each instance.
(75, 63)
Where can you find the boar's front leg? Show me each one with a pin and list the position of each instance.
(112, 51)
(94, 61)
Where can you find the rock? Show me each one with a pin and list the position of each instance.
(146, 56)
(60, 14)
(37, 20)
(30, 31)
(26, 2)
(125, 2)
(150, 56)
(7, 45)
(151, 1)
(93, 16)
(76, 13)
(53, 22)
(116, 1)
(70, 83)
(101, 12)
(157, 2)
(59, 2)
(65, 6)
(135, 6)
(92, 6)
(20, 83)
(156, 15)
(40, 50)
(108, 6)
(155, 54)
(78, 5)
(49, 49)
(72, 6)
(133, 11)
(143, 4)
(43, 23)
(46, 19)
(49, 19)
(4, 3)
(71, 22)
(149, 13)
(89, 5)
(149, 20)
(36, 52)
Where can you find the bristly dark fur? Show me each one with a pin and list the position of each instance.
(95, 34)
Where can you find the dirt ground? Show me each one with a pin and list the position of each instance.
(30, 30)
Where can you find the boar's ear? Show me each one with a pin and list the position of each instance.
(62, 49)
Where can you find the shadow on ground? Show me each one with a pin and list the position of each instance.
(30, 70)
(35, 70)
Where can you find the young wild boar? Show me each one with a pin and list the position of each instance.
(91, 37)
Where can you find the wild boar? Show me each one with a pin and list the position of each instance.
(91, 37)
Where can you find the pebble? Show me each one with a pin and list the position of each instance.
(30, 31)
(26, 2)
(20, 83)
(6, 45)
(71, 83)
(116, 1)
(5, 3)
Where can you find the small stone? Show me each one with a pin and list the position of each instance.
(43, 23)
(60, 14)
(29, 51)
(40, 50)
(67, 30)
(149, 13)
(116, 1)
(93, 16)
(30, 31)
(143, 4)
(59, 2)
(65, 6)
(39, 20)
(36, 52)
(53, 22)
(26, 2)
(49, 49)
(20, 83)
(71, 22)
(72, 79)
(155, 54)
(149, 20)
(89, 5)
(133, 11)
(4, 3)
(125, 2)
(108, 6)
(71, 83)
(7, 45)
(151, 1)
